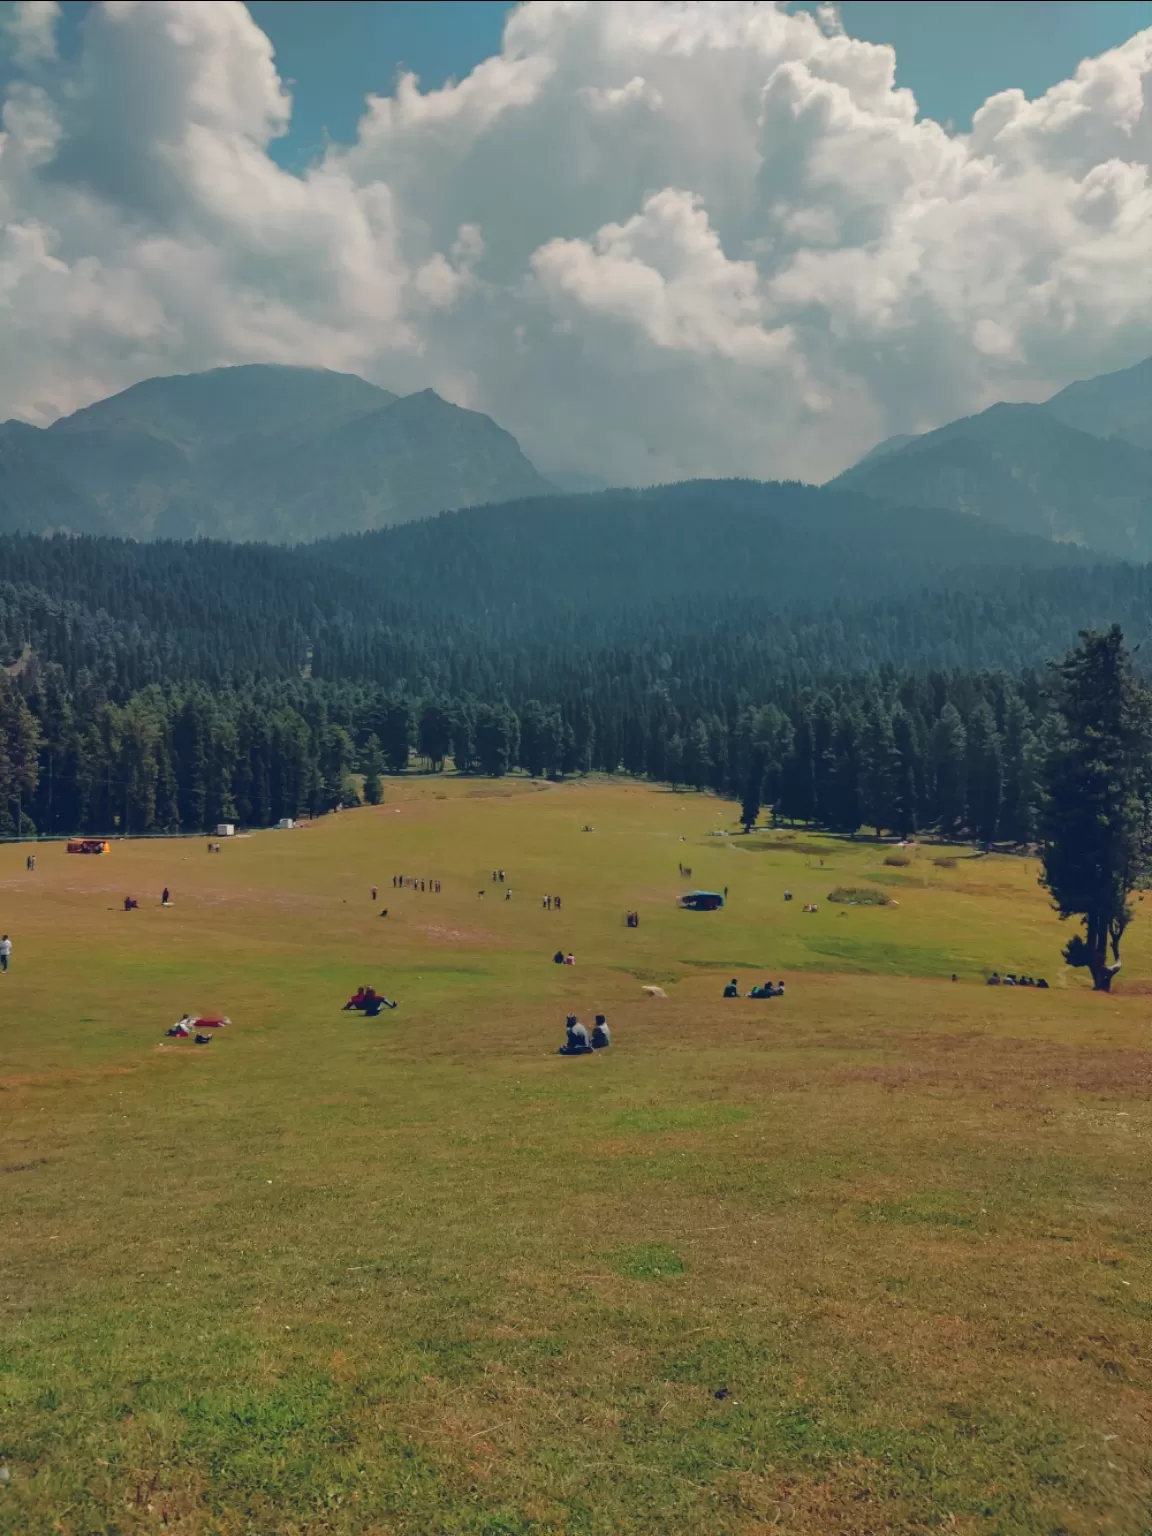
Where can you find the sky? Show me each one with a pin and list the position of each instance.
(651, 239)
(953, 54)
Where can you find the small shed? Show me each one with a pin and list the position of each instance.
(285, 824)
(226, 829)
(702, 901)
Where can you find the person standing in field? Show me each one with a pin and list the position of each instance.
(5, 952)
(166, 897)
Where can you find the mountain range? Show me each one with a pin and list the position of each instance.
(258, 452)
(1077, 469)
(289, 455)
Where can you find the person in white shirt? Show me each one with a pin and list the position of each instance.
(5, 952)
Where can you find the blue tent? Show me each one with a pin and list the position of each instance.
(702, 901)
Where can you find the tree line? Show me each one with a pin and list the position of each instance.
(896, 752)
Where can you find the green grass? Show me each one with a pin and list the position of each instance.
(872, 1257)
(861, 895)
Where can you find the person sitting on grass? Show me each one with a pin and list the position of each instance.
(577, 1043)
(601, 1034)
(374, 1002)
(182, 1027)
(732, 989)
(358, 998)
(558, 957)
(569, 958)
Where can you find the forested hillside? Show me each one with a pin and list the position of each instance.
(712, 635)
(776, 543)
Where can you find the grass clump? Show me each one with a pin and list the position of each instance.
(945, 863)
(859, 896)
(648, 1261)
(897, 860)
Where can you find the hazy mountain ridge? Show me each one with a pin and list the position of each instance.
(778, 543)
(257, 452)
(1077, 468)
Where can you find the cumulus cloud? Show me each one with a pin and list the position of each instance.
(29, 27)
(651, 239)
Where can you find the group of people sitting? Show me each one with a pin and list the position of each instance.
(1011, 980)
(560, 958)
(579, 1042)
(766, 989)
(368, 1001)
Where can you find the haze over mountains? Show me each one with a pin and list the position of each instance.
(288, 455)
(258, 452)
(1077, 469)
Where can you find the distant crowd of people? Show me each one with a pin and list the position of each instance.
(1012, 980)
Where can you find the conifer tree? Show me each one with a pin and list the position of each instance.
(1017, 817)
(373, 763)
(753, 791)
(1096, 818)
(434, 738)
(949, 749)
(396, 734)
(985, 774)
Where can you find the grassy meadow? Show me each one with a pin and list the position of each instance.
(873, 1257)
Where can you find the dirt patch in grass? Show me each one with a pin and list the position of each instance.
(441, 933)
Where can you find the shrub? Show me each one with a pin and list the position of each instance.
(859, 896)
(945, 863)
(899, 860)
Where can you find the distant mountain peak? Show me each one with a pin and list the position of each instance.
(258, 451)
(1076, 468)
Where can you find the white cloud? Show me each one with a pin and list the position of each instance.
(30, 27)
(651, 239)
